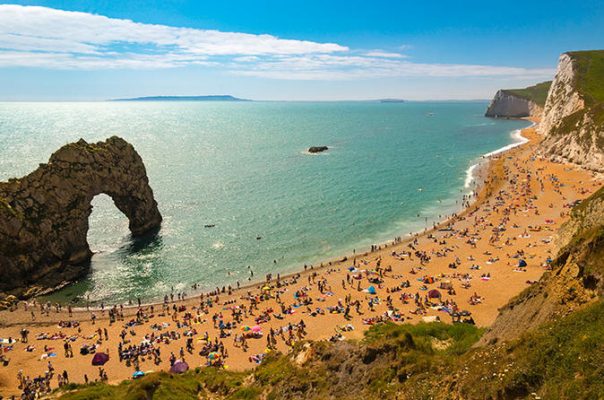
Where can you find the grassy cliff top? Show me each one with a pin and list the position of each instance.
(589, 82)
(590, 74)
(536, 93)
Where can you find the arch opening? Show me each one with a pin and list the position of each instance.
(107, 226)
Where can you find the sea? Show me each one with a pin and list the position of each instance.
(239, 193)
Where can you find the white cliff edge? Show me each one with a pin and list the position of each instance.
(570, 132)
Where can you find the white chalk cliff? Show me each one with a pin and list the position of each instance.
(508, 105)
(569, 123)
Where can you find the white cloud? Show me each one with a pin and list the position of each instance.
(342, 67)
(40, 37)
(384, 54)
(47, 29)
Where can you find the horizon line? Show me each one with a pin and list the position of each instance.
(130, 100)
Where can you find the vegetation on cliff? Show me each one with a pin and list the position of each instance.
(588, 68)
(537, 93)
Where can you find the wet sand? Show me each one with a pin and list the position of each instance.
(519, 207)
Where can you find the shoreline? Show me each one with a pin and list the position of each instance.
(481, 171)
(484, 277)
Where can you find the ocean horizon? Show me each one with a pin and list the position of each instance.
(242, 169)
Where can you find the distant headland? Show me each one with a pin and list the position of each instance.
(391, 101)
(185, 98)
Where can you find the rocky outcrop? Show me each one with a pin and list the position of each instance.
(509, 105)
(44, 215)
(317, 149)
(576, 279)
(573, 120)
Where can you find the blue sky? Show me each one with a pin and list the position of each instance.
(286, 50)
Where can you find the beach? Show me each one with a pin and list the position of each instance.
(305, 208)
(468, 266)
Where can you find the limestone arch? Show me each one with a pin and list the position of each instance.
(44, 215)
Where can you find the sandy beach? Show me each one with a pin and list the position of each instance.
(471, 264)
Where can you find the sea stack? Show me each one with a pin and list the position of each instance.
(44, 215)
(317, 149)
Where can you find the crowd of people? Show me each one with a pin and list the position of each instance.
(429, 277)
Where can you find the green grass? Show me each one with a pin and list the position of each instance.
(536, 93)
(589, 70)
(420, 337)
(562, 360)
(589, 82)
(165, 386)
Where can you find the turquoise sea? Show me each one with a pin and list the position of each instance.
(243, 167)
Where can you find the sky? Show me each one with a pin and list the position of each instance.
(286, 50)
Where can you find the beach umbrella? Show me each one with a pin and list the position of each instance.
(138, 374)
(179, 367)
(371, 290)
(245, 328)
(522, 263)
(434, 294)
(100, 359)
(256, 329)
(213, 356)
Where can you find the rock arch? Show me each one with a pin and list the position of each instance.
(44, 215)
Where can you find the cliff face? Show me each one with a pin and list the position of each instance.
(518, 103)
(509, 105)
(577, 277)
(573, 117)
(44, 215)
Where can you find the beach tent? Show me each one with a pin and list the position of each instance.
(434, 294)
(521, 263)
(138, 374)
(100, 359)
(371, 290)
(179, 367)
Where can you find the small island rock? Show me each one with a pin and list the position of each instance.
(317, 149)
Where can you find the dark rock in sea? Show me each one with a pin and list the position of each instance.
(317, 149)
(44, 215)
